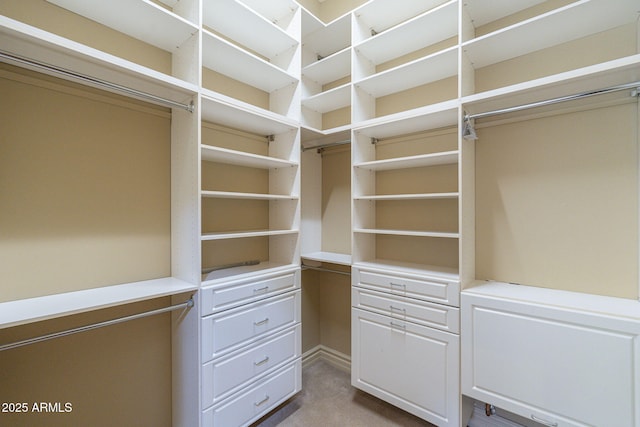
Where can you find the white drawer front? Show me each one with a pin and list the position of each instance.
(224, 376)
(231, 294)
(411, 366)
(409, 285)
(246, 407)
(226, 331)
(429, 314)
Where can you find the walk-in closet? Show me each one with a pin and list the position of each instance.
(201, 199)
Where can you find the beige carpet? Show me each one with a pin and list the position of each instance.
(327, 399)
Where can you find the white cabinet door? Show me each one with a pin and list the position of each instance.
(562, 367)
(408, 365)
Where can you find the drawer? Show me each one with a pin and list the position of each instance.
(224, 376)
(412, 310)
(244, 408)
(229, 330)
(410, 285)
(231, 294)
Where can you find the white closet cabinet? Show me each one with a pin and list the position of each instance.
(555, 357)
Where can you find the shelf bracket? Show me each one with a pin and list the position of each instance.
(374, 141)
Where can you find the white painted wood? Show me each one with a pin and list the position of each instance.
(430, 27)
(413, 233)
(224, 376)
(240, 158)
(330, 100)
(407, 309)
(229, 112)
(280, 12)
(246, 196)
(571, 22)
(330, 257)
(420, 196)
(233, 329)
(33, 43)
(432, 159)
(545, 348)
(427, 69)
(141, 19)
(20, 312)
(226, 58)
(327, 40)
(330, 68)
(249, 272)
(482, 12)
(223, 235)
(232, 19)
(408, 365)
(244, 408)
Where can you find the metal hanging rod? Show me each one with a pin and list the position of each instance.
(634, 85)
(97, 82)
(185, 305)
(330, 144)
(327, 270)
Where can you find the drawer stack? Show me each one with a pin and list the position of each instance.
(251, 345)
(405, 341)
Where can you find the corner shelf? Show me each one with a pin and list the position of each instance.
(328, 257)
(329, 100)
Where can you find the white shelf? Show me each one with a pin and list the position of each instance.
(326, 40)
(331, 68)
(32, 43)
(443, 114)
(240, 158)
(141, 19)
(238, 22)
(234, 62)
(245, 196)
(243, 272)
(381, 15)
(410, 233)
(606, 74)
(225, 235)
(417, 196)
(329, 257)
(433, 159)
(226, 111)
(449, 274)
(19, 312)
(482, 12)
(571, 22)
(423, 30)
(280, 12)
(421, 71)
(330, 100)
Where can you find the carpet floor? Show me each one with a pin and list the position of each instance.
(327, 399)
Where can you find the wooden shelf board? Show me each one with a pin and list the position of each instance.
(576, 20)
(421, 71)
(33, 43)
(245, 272)
(19, 312)
(329, 257)
(443, 114)
(420, 196)
(428, 28)
(140, 19)
(240, 158)
(226, 111)
(232, 18)
(409, 233)
(331, 68)
(244, 234)
(446, 273)
(247, 196)
(433, 159)
(330, 100)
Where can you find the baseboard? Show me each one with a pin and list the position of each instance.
(329, 355)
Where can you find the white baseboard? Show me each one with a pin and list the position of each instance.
(329, 355)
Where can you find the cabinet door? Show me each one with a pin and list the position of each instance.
(558, 366)
(408, 365)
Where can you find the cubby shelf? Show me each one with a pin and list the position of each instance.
(570, 22)
(231, 18)
(432, 159)
(326, 40)
(240, 158)
(329, 100)
(143, 20)
(226, 58)
(329, 68)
